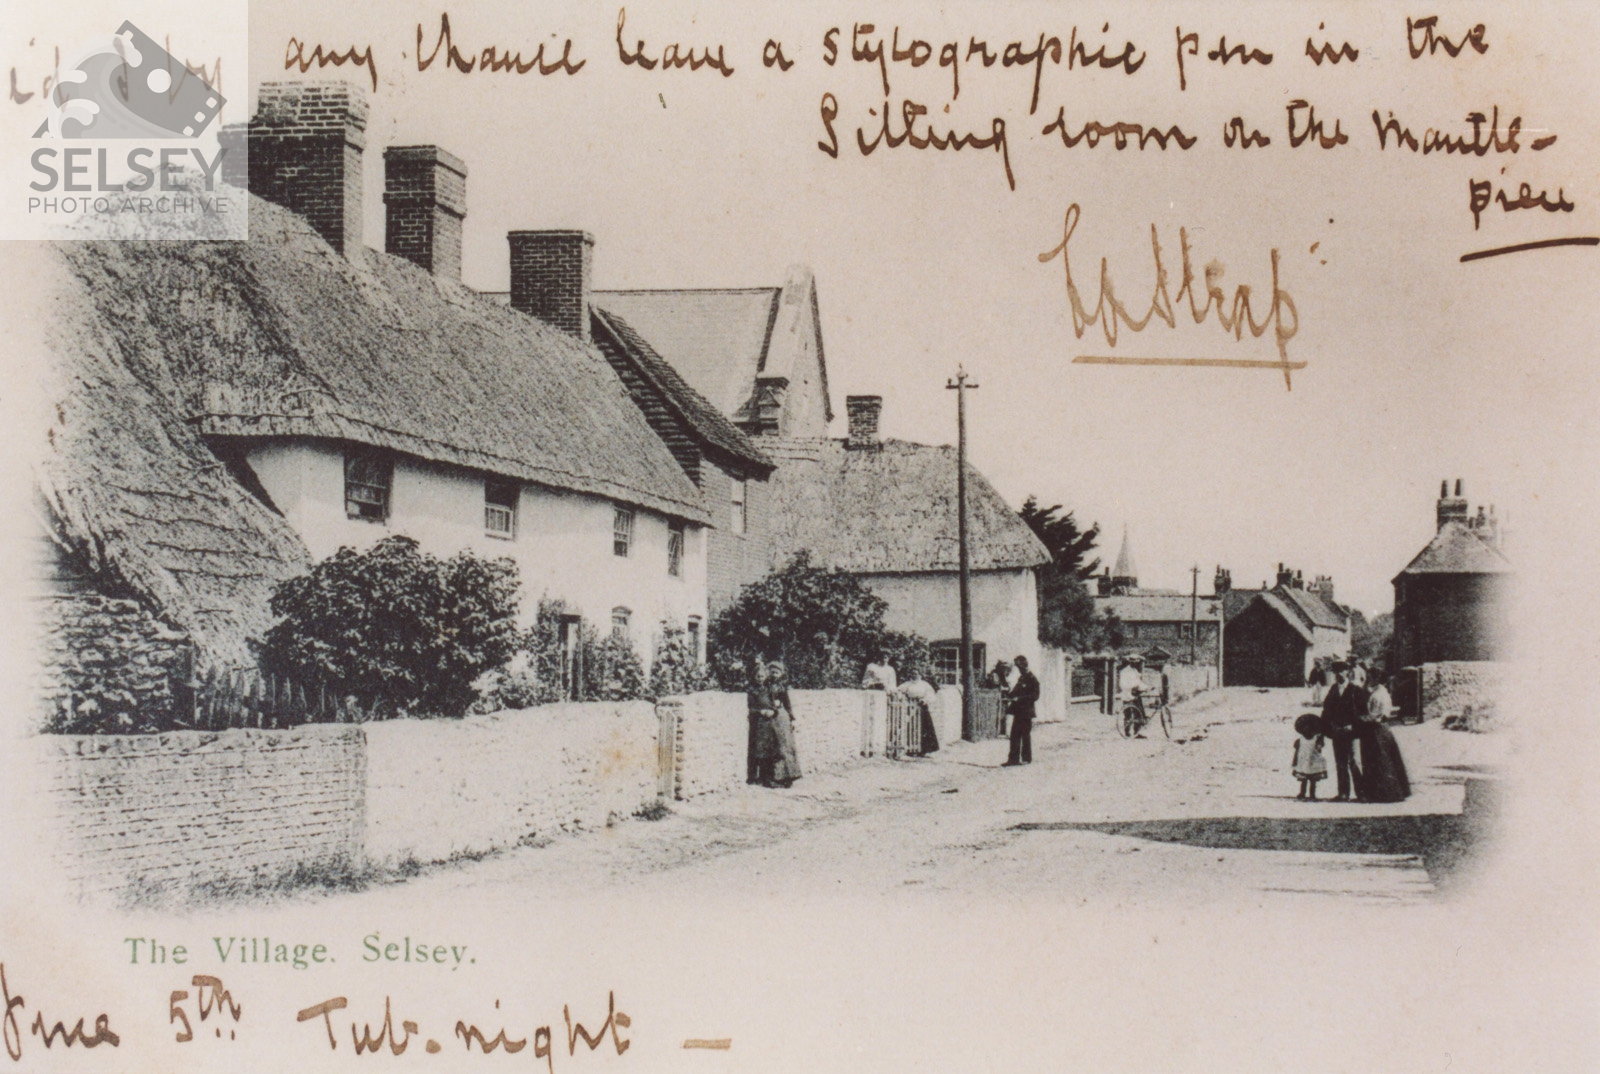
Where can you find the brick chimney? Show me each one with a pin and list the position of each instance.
(304, 153)
(1323, 586)
(550, 277)
(863, 412)
(1450, 508)
(425, 200)
(1221, 581)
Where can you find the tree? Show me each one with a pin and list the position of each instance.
(400, 630)
(1369, 639)
(1068, 545)
(824, 624)
(1067, 615)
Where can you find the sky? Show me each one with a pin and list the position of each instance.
(1418, 367)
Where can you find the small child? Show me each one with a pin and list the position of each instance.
(1309, 764)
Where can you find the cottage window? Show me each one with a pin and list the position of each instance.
(947, 662)
(619, 622)
(368, 479)
(694, 637)
(737, 524)
(500, 508)
(675, 549)
(622, 531)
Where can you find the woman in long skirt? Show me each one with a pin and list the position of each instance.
(1383, 776)
(771, 715)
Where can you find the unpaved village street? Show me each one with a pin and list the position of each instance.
(1096, 820)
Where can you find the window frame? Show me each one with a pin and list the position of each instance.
(677, 538)
(695, 631)
(738, 506)
(621, 621)
(384, 462)
(622, 520)
(490, 485)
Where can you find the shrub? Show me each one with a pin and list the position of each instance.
(400, 630)
(612, 670)
(677, 668)
(824, 624)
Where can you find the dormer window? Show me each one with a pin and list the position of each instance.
(368, 481)
(500, 508)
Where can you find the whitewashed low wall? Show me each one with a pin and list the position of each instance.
(137, 815)
(438, 788)
(947, 715)
(834, 728)
(713, 742)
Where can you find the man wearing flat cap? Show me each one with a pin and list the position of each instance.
(1342, 712)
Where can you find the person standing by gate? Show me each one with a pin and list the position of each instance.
(1021, 698)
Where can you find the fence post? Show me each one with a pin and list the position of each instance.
(668, 714)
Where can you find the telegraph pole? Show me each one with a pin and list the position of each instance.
(961, 386)
(1194, 612)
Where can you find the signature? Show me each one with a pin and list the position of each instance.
(1234, 317)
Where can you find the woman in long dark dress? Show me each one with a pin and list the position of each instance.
(776, 764)
(1383, 776)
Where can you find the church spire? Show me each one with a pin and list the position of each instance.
(1125, 575)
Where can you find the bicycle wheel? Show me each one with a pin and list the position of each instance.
(1166, 720)
(1128, 725)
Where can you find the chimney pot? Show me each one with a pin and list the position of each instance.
(863, 412)
(550, 277)
(425, 200)
(302, 150)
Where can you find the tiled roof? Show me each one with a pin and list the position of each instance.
(1317, 611)
(890, 510)
(717, 339)
(1456, 549)
(1158, 607)
(704, 421)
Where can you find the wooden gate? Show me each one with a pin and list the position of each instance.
(905, 727)
(988, 716)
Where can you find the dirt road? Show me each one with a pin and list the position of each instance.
(1095, 820)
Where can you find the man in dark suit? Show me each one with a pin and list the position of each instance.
(1342, 712)
(1021, 700)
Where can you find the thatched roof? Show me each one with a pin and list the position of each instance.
(889, 510)
(282, 336)
(131, 494)
(160, 343)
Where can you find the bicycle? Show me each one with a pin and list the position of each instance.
(1136, 717)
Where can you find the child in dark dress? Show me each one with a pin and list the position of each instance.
(1310, 766)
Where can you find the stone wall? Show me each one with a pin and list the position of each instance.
(443, 788)
(147, 814)
(1452, 687)
(186, 810)
(713, 741)
(109, 665)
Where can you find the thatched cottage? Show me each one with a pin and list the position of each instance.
(230, 411)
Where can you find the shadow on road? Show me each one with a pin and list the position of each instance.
(1450, 845)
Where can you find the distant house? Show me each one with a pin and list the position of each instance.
(232, 411)
(885, 510)
(1450, 601)
(1167, 620)
(1278, 636)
